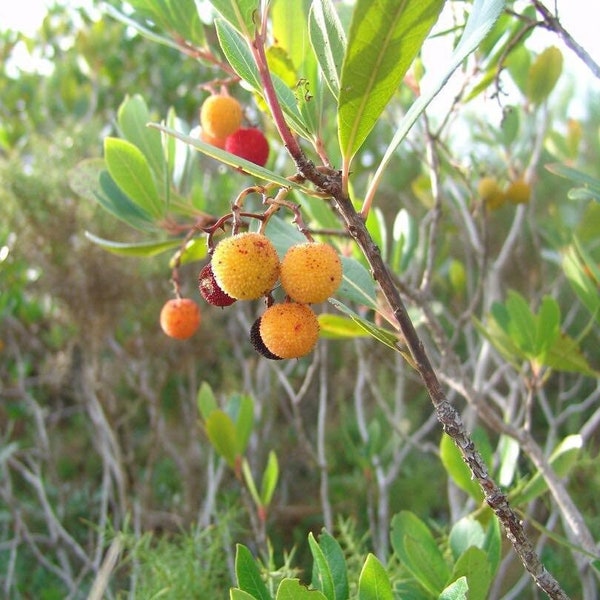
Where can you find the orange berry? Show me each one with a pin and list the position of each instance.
(213, 141)
(311, 272)
(289, 330)
(180, 318)
(490, 193)
(249, 143)
(220, 116)
(245, 265)
(518, 191)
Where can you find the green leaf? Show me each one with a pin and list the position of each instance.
(328, 41)
(543, 74)
(562, 459)
(231, 159)
(508, 450)
(130, 170)
(240, 58)
(322, 578)
(416, 548)
(248, 574)
(237, 594)
(334, 556)
(337, 327)
(492, 544)
(466, 532)
(357, 284)
(292, 589)
(269, 479)
(222, 435)
(249, 479)
(566, 355)
(205, 400)
(243, 406)
(374, 582)
(384, 38)
(583, 276)
(457, 590)
(133, 118)
(142, 249)
(473, 564)
(483, 15)
(239, 13)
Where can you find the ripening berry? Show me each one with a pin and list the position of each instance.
(518, 191)
(311, 272)
(289, 330)
(245, 265)
(180, 318)
(249, 143)
(491, 193)
(213, 141)
(220, 116)
(210, 290)
(258, 343)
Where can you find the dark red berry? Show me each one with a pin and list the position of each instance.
(210, 290)
(249, 143)
(257, 342)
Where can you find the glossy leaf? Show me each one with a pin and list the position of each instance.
(141, 249)
(416, 548)
(483, 15)
(328, 41)
(543, 74)
(357, 284)
(220, 430)
(473, 565)
(336, 561)
(337, 327)
(248, 574)
(457, 590)
(131, 171)
(292, 589)
(322, 579)
(466, 532)
(239, 13)
(383, 40)
(269, 479)
(374, 582)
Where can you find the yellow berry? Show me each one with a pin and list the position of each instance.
(180, 318)
(311, 272)
(245, 265)
(220, 116)
(289, 330)
(213, 141)
(490, 193)
(518, 191)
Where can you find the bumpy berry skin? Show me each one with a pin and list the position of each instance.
(311, 272)
(210, 290)
(289, 330)
(220, 116)
(518, 191)
(245, 265)
(180, 318)
(249, 143)
(491, 193)
(258, 343)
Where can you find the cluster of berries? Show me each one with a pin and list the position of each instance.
(221, 122)
(494, 196)
(246, 266)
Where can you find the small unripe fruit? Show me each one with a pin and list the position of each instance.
(518, 192)
(258, 343)
(180, 318)
(289, 330)
(311, 272)
(249, 143)
(491, 193)
(210, 290)
(245, 265)
(220, 116)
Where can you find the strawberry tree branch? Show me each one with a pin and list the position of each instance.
(330, 182)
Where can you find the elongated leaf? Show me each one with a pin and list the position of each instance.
(239, 56)
(131, 171)
(337, 327)
(483, 15)
(239, 13)
(328, 41)
(374, 582)
(292, 589)
(143, 249)
(583, 275)
(248, 574)
(221, 433)
(269, 479)
(133, 117)
(322, 579)
(231, 159)
(244, 420)
(384, 38)
(334, 556)
(357, 284)
(205, 400)
(249, 479)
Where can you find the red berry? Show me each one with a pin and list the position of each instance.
(249, 143)
(210, 290)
